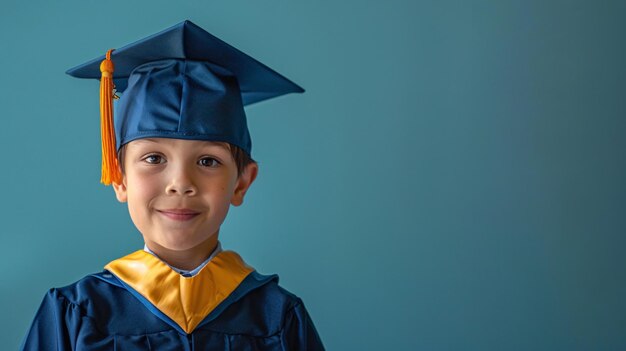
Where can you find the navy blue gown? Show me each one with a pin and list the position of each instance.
(103, 312)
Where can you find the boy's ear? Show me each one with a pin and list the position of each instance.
(120, 191)
(243, 183)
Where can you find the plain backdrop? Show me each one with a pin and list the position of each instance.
(453, 178)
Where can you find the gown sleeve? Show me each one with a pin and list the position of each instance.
(299, 333)
(54, 326)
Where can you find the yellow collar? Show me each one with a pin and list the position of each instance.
(185, 300)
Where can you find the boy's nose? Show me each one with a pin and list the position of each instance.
(181, 184)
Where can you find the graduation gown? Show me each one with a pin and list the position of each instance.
(139, 303)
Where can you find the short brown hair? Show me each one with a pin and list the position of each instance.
(242, 159)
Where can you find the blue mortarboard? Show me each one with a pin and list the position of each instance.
(180, 83)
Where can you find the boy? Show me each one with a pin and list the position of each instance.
(179, 155)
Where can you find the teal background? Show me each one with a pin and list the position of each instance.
(453, 178)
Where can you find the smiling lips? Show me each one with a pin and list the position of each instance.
(179, 214)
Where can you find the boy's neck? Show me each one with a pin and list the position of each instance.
(185, 259)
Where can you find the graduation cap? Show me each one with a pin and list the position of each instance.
(181, 83)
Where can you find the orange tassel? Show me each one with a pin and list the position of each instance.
(110, 168)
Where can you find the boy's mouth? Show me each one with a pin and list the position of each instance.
(179, 214)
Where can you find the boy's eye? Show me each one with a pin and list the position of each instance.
(208, 162)
(153, 159)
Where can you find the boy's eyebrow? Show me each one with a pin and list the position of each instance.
(224, 146)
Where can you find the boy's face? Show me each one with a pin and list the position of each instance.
(179, 191)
